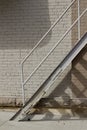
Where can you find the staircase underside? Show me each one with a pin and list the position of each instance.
(27, 109)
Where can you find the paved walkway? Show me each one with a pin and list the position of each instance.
(5, 124)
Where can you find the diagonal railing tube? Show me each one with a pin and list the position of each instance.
(64, 35)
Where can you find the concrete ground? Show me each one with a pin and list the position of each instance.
(5, 124)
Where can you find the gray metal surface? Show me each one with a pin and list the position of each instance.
(27, 108)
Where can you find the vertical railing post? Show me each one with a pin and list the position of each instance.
(22, 84)
(79, 25)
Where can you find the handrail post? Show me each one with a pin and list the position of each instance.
(22, 84)
(79, 29)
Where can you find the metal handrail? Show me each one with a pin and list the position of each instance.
(22, 75)
(55, 45)
(44, 36)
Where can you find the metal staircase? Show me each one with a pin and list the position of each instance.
(27, 106)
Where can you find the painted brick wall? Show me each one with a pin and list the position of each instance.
(22, 24)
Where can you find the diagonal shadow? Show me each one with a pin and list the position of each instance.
(79, 74)
(60, 90)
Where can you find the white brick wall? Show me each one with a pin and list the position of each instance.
(22, 24)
